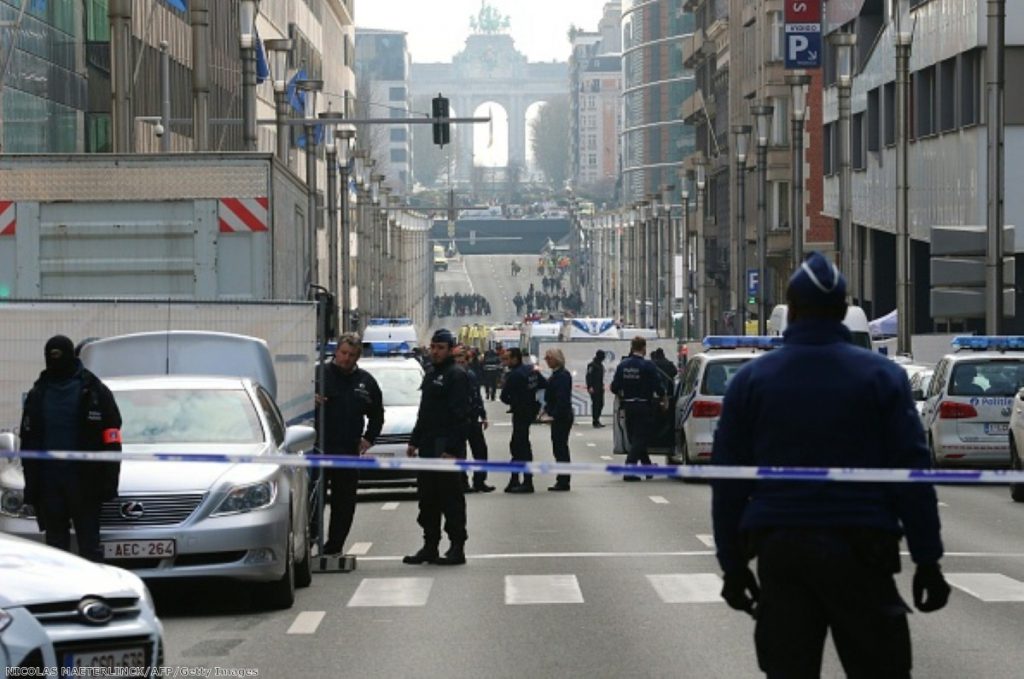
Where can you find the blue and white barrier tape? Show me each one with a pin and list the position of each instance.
(947, 476)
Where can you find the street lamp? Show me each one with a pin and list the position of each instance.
(702, 274)
(684, 195)
(331, 120)
(247, 11)
(903, 38)
(280, 50)
(345, 138)
(311, 88)
(842, 44)
(763, 121)
(742, 136)
(668, 239)
(798, 89)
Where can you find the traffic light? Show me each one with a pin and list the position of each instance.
(442, 131)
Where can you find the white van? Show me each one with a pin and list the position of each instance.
(856, 321)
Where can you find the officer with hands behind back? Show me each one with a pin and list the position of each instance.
(520, 394)
(69, 408)
(440, 431)
(640, 389)
(826, 552)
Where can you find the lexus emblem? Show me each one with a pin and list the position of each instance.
(95, 611)
(132, 510)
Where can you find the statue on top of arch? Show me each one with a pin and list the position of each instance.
(489, 20)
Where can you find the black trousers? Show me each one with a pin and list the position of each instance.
(490, 384)
(65, 502)
(560, 446)
(343, 484)
(597, 405)
(440, 494)
(478, 446)
(639, 422)
(815, 581)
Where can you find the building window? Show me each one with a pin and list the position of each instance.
(970, 88)
(396, 112)
(399, 134)
(399, 155)
(396, 93)
(874, 131)
(857, 156)
(924, 102)
(947, 95)
(780, 121)
(779, 209)
(777, 26)
(889, 113)
(828, 137)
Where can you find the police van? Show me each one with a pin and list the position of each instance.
(967, 408)
(702, 389)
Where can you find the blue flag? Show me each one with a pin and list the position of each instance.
(262, 67)
(297, 100)
(178, 5)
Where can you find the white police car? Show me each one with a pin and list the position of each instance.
(702, 388)
(967, 407)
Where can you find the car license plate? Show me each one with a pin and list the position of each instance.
(997, 428)
(138, 549)
(99, 659)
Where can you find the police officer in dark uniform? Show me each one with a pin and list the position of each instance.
(640, 390)
(595, 387)
(520, 394)
(440, 431)
(492, 373)
(826, 553)
(353, 417)
(476, 425)
(69, 408)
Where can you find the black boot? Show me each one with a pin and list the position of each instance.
(525, 487)
(513, 483)
(455, 556)
(427, 554)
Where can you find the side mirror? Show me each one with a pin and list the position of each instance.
(8, 441)
(918, 394)
(298, 438)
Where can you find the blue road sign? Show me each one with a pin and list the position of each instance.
(803, 46)
(753, 282)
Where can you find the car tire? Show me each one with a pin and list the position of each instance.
(931, 449)
(1016, 489)
(279, 595)
(304, 568)
(684, 456)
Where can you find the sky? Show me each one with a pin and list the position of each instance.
(438, 28)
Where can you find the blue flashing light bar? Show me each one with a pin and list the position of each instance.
(742, 342)
(390, 321)
(989, 342)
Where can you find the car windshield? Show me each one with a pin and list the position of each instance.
(987, 378)
(717, 376)
(188, 416)
(398, 386)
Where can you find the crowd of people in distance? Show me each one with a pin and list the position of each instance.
(557, 300)
(461, 305)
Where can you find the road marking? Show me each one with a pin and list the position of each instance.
(943, 504)
(607, 457)
(988, 586)
(707, 539)
(579, 434)
(306, 622)
(389, 506)
(359, 548)
(687, 588)
(591, 445)
(658, 555)
(542, 589)
(382, 592)
(659, 500)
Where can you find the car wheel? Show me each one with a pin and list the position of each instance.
(684, 455)
(304, 568)
(1016, 489)
(931, 449)
(280, 594)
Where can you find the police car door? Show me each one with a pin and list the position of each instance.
(935, 391)
(686, 391)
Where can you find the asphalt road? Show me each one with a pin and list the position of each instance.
(610, 580)
(490, 276)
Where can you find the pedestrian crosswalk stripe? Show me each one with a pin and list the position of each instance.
(591, 445)
(359, 548)
(988, 586)
(606, 457)
(306, 622)
(542, 589)
(687, 588)
(659, 500)
(381, 592)
(389, 506)
(707, 539)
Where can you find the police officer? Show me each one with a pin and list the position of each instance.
(492, 373)
(520, 394)
(558, 407)
(640, 391)
(353, 417)
(825, 556)
(440, 432)
(69, 408)
(476, 425)
(665, 367)
(595, 387)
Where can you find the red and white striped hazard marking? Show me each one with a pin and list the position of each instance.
(243, 214)
(8, 217)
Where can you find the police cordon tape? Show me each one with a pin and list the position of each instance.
(703, 471)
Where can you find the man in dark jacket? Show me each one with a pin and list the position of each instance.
(558, 406)
(353, 417)
(520, 394)
(665, 367)
(595, 387)
(825, 555)
(476, 425)
(492, 373)
(640, 391)
(440, 431)
(69, 408)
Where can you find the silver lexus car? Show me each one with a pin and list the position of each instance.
(199, 519)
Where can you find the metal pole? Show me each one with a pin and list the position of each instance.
(332, 220)
(995, 66)
(845, 189)
(670, 256)
(199, 17)
(796, 224)
(249, 139)
(165, 104)
(762, 239)
(686, 267)
(119, 12)
(311, 203)
(346, 254)
(283, 129)
(741, 247)
(904, 285)
(702, 274)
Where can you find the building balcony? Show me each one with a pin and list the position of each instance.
(693, 105)
(692, 5)
(693, 48)
(719, 27)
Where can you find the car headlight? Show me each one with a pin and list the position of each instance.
(248, 498)
(5, 619)
(12, 503)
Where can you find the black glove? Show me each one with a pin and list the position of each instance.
(740, 590)
(928, 580)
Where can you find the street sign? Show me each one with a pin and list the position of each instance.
(803, 12)
(753, 282)
(803, 34)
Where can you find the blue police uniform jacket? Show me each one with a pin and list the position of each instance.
(819, 401)
(637, 381)
(520, 390)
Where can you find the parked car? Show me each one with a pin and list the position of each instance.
(399, 380)
(60, 614)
